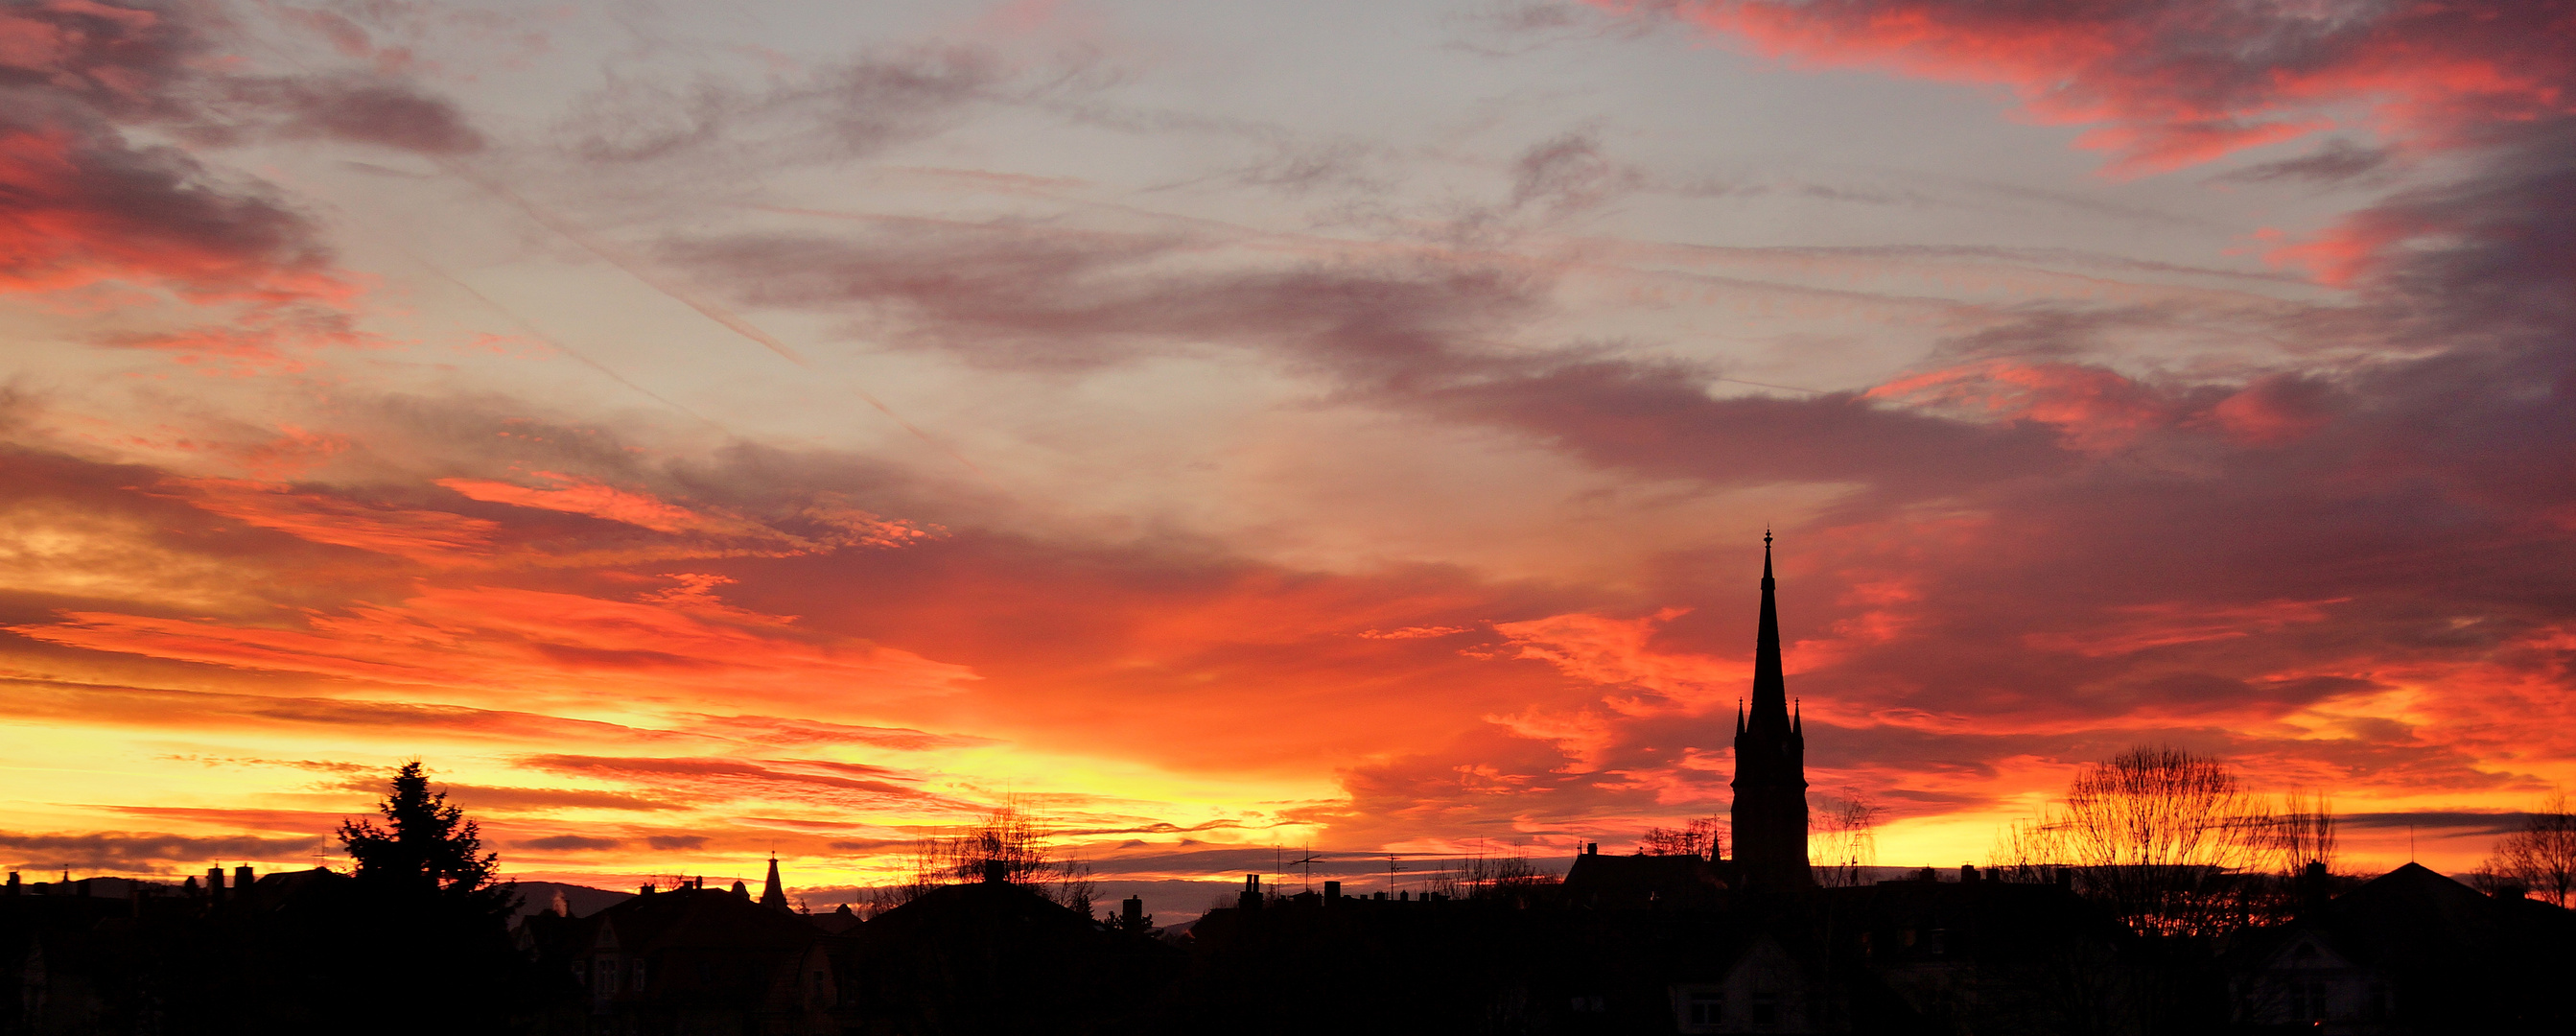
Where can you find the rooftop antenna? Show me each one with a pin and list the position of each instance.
(1309, 864)
(1391, 868)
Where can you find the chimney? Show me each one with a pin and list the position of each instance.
(1251, 897)
(242, 879)
(1131, 913)
(1927, 876)
(2315, 887)
(645, 889)
(14, 884)
(215, 884)
(1332, 891)
(1967, 873)
(1591, 848)
(997, 872)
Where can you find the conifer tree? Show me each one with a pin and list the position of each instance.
(426, 853)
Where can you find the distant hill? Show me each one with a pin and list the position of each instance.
(536, 896)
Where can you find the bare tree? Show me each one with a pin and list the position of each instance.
(1073, 888)
(2542, 856)
(2306, 829)
(924, 871)
(2171, 841)
(1008, 839)
(1704, 837)
(1846, 842)
(2028, 852)
(1491, 877)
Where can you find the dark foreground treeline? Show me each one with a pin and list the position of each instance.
(1625, 944)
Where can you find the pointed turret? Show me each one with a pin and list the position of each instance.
(1770, 813)
(773, 895)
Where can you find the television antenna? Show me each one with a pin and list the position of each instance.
(1309, 863)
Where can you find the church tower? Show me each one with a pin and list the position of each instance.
(1770, 814)
(774, 894)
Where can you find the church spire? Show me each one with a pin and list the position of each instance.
(1770, 811)
(1770, 689)
(773, 895)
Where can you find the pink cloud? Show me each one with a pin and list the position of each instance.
(2170, 85)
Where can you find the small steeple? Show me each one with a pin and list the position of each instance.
(773, 895)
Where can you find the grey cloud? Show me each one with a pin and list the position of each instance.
(2448, 821)
(568, 843)
(366, 110)
(1568, 173)
(151, 853)
(2334, 162)
(845, 109)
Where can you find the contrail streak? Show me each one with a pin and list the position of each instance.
(557, 346)
(643, 272)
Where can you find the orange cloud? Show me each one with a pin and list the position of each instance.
(428, 536)
(577, 495)
(498, 641)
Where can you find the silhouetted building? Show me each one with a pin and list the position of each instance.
(689, 960)
(1981, 955)
(998, 957)
(2410, 951)
(1641, 882)
(1770, 813)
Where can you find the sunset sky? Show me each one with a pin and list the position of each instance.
(697, 430)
